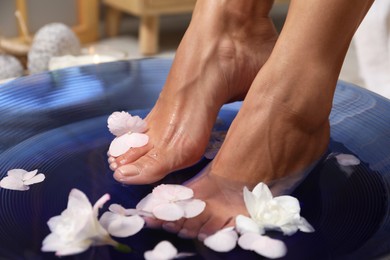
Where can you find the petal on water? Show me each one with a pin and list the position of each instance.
(269, 247)
(163, 250)
(36, 179)
(171, 192)
(116, 208)
(347, 159)
(17, 173)
(121, 226)
(245, 225)
(192, 207)
(13, 183)
(168, 212)
(28, 175)
(149, 203)
(223, 240)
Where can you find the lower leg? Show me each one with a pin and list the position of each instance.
(214, 64)
(282, 127)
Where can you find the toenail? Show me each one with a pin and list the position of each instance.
(202, 236)
(113, 166)
(128, 170)
(111, 159)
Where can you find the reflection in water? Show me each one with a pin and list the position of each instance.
(56, 122)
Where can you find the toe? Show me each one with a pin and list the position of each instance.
(192, 226)
(133, 154)
(173, 227)
(213, 225)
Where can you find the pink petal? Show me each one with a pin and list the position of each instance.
(224, 240)
(192, 207)
(263, 245)
(13, 183)
(168, 212)
(347, 159)
(171, 192)
(163, 250)
(123, 143)
(136, 125)
(36, 179)
(28, 175)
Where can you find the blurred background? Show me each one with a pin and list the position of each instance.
(122, 29)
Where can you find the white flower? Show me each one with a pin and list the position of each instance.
(223, 240)
(118, 224)
(77, 228)
(120, 123)
(347, 159)
(263, 245)
(164, 251)
(19, 179)
(267, 213)
(128, 130)
(171, 202)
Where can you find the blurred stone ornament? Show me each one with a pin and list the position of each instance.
(10, 67)
(51, 40)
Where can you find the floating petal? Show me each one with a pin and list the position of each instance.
(162, 251)
(347, 159)
(223, 240)
(13, 183)
(168, 212)
(192, 207)
(121, 226)
(263, 245)
(28, 175)
(17, 173)
(36, 179)
(171, 192)
(149, 203)
(245, 224)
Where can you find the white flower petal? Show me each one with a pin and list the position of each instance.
(250, 201)
(17, 173)
(116, 208)
(36, 179)
(149, 203)
(223, 240)
(78, 200)
(192, 207)
(245, 225)
(13, 183)
(263, 245)
(117, 123)
(121, 226)
(171, 192)
(262, 192)
(305, 226)
(28, 175)
(347, 159)
(168, 212)
(123, 143)
(73, 249)
(136, 124)
(162, 251)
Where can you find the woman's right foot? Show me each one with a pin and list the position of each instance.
(224, 47)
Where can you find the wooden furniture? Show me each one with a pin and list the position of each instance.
(149, 12)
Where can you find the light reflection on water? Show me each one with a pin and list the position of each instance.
(56, 122)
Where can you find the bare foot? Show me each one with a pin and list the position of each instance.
(267, 142)
(215, 63)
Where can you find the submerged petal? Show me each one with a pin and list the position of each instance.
(223, 240)
(36, 179)
(168, 212)
(347, 159)
(13, 183)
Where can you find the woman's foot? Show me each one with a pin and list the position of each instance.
(215, 63)
(274, 139)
